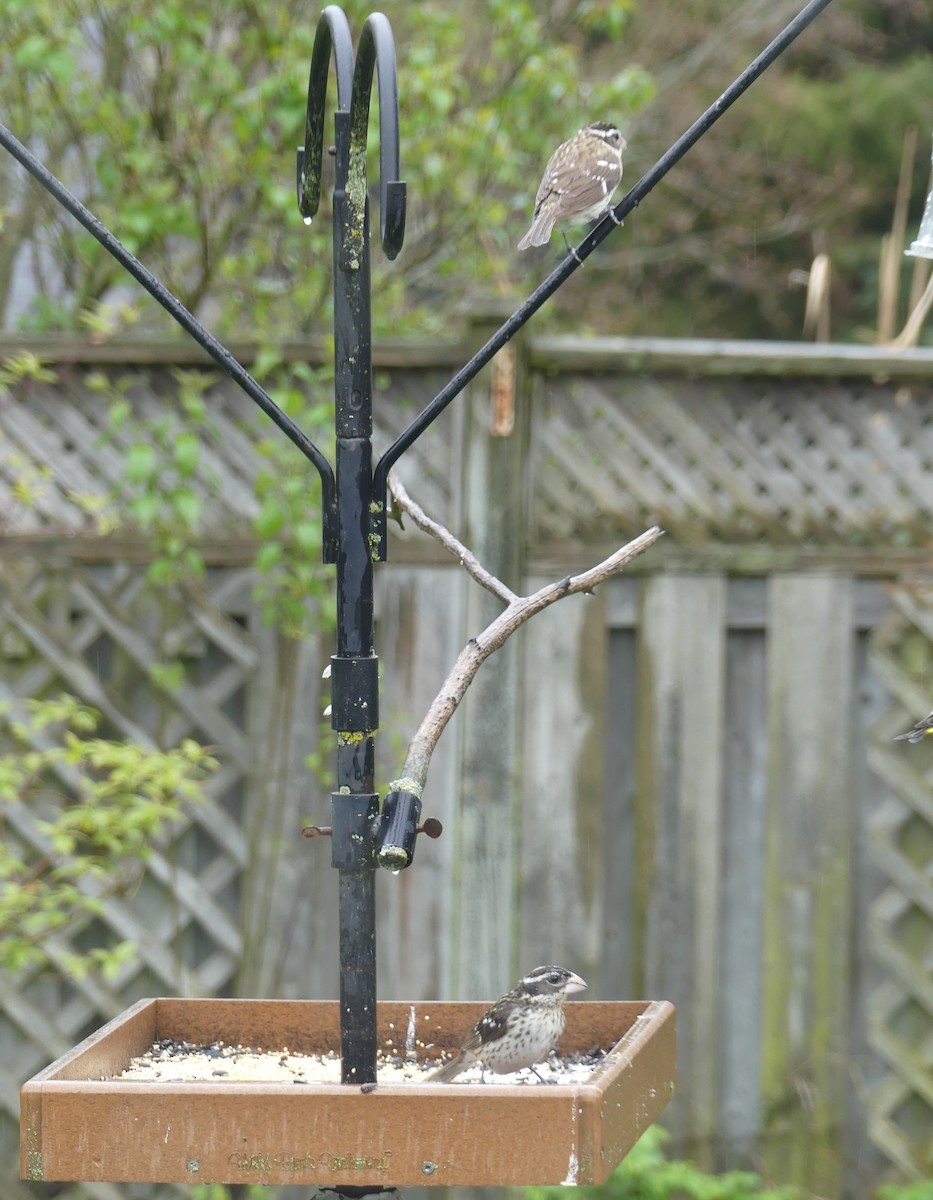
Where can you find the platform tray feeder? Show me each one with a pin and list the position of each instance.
(81, 1122)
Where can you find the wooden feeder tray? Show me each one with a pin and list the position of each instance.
(76, 1125)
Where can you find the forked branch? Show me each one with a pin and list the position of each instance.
(518, 610)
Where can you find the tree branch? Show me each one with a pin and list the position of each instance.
(518, 610)
(464, 556)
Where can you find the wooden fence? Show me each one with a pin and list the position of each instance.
(683, 786)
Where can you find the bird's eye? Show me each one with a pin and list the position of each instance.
(554, 977)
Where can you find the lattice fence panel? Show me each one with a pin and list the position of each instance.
(778, 462)
(226, 901)
(901, 1008)
(62, 459)
(739, 460)
(95, 632)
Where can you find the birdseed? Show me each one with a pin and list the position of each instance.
(168, 1061)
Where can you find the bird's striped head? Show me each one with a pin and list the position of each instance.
(550, 983)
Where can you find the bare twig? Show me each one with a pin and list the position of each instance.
(518, 610)
(464, 556)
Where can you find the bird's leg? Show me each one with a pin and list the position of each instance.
(541, 1078)
(570, 249)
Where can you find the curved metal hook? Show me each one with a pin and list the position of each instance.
(376, 50)
(333, 33)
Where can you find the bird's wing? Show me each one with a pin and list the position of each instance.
(490, 1026)
(573, 191)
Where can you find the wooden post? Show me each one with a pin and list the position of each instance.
(680, 707)
(805, 1079)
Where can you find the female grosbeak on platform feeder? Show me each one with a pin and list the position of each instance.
(519, 1030)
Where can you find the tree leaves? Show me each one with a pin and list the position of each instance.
(178, 126)
(87, 846)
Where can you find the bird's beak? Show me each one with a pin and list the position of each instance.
(575, 984)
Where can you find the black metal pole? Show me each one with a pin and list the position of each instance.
(354, 668)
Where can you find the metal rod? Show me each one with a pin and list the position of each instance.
(354, 666)
(356, 892)
(355, 710)
(575, 258)
(177, 311)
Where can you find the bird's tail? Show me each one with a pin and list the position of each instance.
(448, 1071)
(541, 229)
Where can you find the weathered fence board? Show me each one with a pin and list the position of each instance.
(681, 702)
(418, 635)
(565, 803)
(744, 811)
(805, 949)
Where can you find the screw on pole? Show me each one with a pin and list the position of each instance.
(354, 667)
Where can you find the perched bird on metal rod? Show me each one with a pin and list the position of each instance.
(578, 182)
(919, 731)
(519, 1030)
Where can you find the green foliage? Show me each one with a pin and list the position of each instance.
(645, 1174)
(920, 1189)
(488, 92)
(17, 367)
(294, 590)
(857, 160)
(28, 481)
(164, 475)
(178, 125)
(162, 458)
(94, 807)
(220, 1191)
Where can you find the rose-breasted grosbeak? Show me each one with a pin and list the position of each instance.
(578, 182)
(919, 731)
(519, 1030)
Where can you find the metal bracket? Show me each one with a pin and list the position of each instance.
(354, 690)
